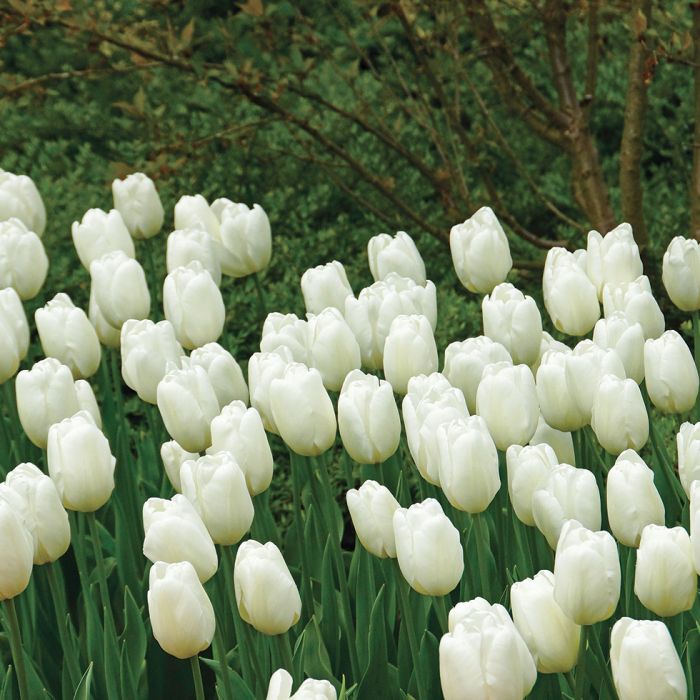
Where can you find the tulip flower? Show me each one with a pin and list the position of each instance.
(224, 372)
(187, 403)
(618, 417)
(483, 655)
(586, 574)
(569, 295)
(174, 531)
(100, 233)
(528, 470)
(561, 442)
(81, 463)
(513, 319)
(612, 258)
(109, 336)
(190, 245)
(263, 367)
(665, 580)
(87, 401)
(681, 273)
(368, 418)
(325, 285)
(302, 410)
(17, 548)
(288, 331)
(180, 612)
(280, 688)
(670, 372)
(23, 261)
(635, 300)
(66, 334)
(246, 238)
(480, 251)
(239, 430)
(14, 333)
(547, 343)
(395, 254)
(551, 637)
(465, 362)
(267, 597)
(372, 510)
(507, 400)
(137, 200)
(193, 211)
(173, 457)
(409, 350)
(626, 338)
(19, 198)
(645, 663)
(688, 451)
(428, 548)
(556, 399)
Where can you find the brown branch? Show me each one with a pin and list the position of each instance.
(555, 30)
(592, 54)
(695, 187)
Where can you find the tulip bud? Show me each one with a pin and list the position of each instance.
(14, 333)
(483, 655)
(586, 574)
(173, 531)
(239, 430)
(193, 211)
(325, 285)
(561, 442)
(465, 362)
(23, 261)
(567, 494)
(468, 464)
(263, 367)
(635, 300)
(223, 370)
(480, 251)
(409, 350)
(80, 463)
(100, 233)
(181, 614)
(368, 419)
(681, 273)
(551, 637)
(664, 579)
(547, 343)
(173, 457)
(267, 597)
(432, 565)
(302, 410)
(246, 237)
(507, 400)
(16, 545)
(109, 335)
(136, 199)
(645, 663)
(395, 254)
(372, 510)
(190, 245)
(612, 258)
(513, 319)
(569, 295)
(19, 198)
(66, 334)
(626, 338)
(288, 331)
(557, 402)
(42, 511)
(528, 470)
(619, 418)
(688, 450)
(633, 501)
(670, 373)
(280, 688)
(120, 288)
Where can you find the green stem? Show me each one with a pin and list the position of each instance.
(197, 677)
(257, 671)
(306, 593)
(481, 556)
(407, 619)
(220, 652)
(16, 647)
(602, 659)
(441, 612)
(99, 562)
(285, 651)
(579, 693)
(262, 305)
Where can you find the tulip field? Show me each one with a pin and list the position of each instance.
(355, 510)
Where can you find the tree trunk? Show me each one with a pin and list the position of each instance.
(695, 186)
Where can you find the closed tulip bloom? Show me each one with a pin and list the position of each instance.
(664, 579)
(547, 343)
(513, 319)
(395, 254)
(14, 333)
(325, 285)
(645, 663)
(180, 612)
(528, 470)
(280, 688)
(612, 258)
(368, 418)
(567, 494)
(189, 245)
(263, 367)
(557, 401)
(428, 548)
(333, 349)
(619, 418)
(626, 338)
(100, 233)
(636, 301)
(551, 637)
(193, 304)
(480, 251)
(19, 198)
(223, 370)
(586, 574)
(632, 499)
(681, 273)
(17, 549)
(109, 336)
(409, 350)
(483, 655)
(507, 400)
(670, 373)
(215, 485)
(561, 442)
(173, 457)
(23, 261)
(66, 334)
(465, 362)
(372, 510)
(246, 237)
(120, 288)
(87, 401)
(173, 531)
(187, 403)
(688, 450)
(81, 463)
(302, 410)
(695, 522)
(267, 597)
(193, 211)
(239, 430)
(137, 200)
(569, 295)
(289, 331)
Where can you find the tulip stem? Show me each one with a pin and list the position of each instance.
(197, 677)
(580, 691)
(604, 664)
(407, 619)
(285, 651)
(16, 647)
(441, 612)
(485, 587)
(262, 305)
(220, 652)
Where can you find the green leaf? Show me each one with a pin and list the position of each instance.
(82, 691)
(134, 635)
(429, 664)
(316, 662)
(330, 623)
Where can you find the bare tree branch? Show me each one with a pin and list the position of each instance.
(695, 186)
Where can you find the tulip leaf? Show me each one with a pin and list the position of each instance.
(82, 691)
(365, 595)
(429, 666)
(330, 624)
(133, 638)
(126, 675)
(6, 690)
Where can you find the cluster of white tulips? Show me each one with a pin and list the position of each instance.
(580, 568)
